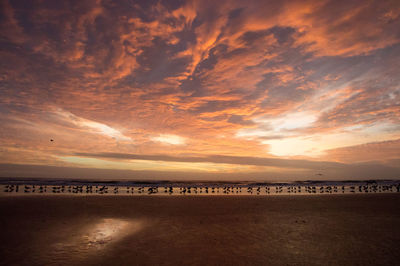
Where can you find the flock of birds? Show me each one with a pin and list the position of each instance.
(186, 190)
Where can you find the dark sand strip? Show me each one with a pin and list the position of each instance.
(281, 230)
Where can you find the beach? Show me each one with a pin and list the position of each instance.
(208, 230)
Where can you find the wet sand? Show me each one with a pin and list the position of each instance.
(245, 230)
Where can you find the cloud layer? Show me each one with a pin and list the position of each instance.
(300, 81)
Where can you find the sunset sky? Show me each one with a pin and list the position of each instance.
(219, 90)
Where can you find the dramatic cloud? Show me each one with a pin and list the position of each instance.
(229, 85)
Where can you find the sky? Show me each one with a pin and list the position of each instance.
(216, 90)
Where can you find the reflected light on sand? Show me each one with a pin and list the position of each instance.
(95, 237)
(110, 230)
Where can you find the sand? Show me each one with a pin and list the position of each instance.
(246, 230)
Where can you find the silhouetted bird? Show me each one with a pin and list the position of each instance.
(51, 139)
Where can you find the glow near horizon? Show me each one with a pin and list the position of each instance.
(162, 165)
